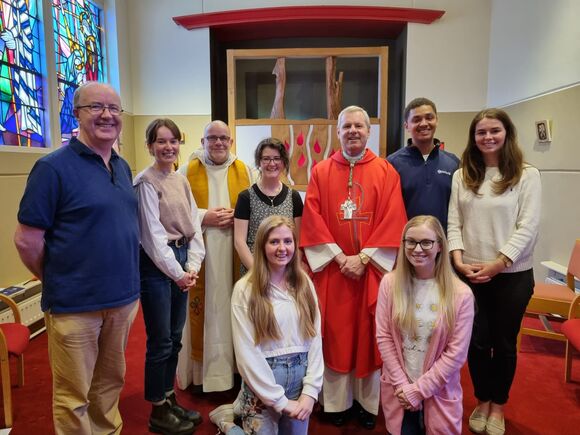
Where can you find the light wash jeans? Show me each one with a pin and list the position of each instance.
(258, 419)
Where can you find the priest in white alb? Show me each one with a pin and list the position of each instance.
(216, 177)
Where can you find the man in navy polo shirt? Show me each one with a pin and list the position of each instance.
(78, 232)
(425, 169)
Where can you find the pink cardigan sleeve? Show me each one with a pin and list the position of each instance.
(453, 356)
(388, 340)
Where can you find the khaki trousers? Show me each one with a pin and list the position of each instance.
(87, 357)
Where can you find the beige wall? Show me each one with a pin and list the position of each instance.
(128, 140)
(559, 165)
(14, 169)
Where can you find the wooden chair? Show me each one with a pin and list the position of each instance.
(14, 338)
(551, 302)
(571, 330)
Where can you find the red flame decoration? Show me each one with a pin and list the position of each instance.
(317, 147)
(314, 162)
(300, 139)
(286, 145)
(301, 161)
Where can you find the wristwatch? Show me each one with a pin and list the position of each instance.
(364, 258)
(506, 261)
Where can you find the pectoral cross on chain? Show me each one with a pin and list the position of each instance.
(348, 207)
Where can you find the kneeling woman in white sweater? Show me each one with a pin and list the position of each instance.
(276, 333)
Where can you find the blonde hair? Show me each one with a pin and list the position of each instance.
(403, 290)
(261, 312)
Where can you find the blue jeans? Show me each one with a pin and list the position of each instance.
(164, 311)
(258, 419)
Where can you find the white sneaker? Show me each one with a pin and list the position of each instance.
(238, 404)
(222, 415)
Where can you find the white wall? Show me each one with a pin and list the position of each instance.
(534, 48)
(118, 59)
(170, 65)
(446, 61)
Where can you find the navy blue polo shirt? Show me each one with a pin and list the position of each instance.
(91, 258)
(426, 184)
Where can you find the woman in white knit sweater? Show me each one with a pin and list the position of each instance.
(494, 214)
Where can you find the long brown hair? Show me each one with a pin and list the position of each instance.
(261, 311)
(403, 294)
(511, 158)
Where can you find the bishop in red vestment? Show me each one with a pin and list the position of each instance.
(352, 223)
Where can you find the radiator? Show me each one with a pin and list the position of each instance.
(29, 305)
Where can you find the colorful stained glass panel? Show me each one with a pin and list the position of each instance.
(79, 56)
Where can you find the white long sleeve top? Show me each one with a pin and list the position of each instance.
(251, 358)
(154, 236)
(487, 224)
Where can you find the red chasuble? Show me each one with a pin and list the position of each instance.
(347, 306)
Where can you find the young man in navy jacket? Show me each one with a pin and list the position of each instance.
(425, 169)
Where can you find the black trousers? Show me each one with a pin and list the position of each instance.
(413, 423)
(500, 306)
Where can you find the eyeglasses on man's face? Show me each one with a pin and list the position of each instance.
(99, 108)
(425, 244)
(213, 138)
(268, 160)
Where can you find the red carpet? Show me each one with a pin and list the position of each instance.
(540, 403)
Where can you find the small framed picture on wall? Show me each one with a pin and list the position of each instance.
(543, 131)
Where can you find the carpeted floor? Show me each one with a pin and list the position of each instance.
(540, 402)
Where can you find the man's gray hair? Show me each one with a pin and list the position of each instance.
(351, 109)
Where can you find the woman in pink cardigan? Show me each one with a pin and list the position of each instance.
(424, 318)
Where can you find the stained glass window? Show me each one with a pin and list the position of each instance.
(21, 93)
(79, 57)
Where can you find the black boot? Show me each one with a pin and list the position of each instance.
(165, 421)
(183, 413)
(366, 419)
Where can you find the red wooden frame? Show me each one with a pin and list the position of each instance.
(309, 21)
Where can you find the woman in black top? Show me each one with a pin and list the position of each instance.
(269, 196)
